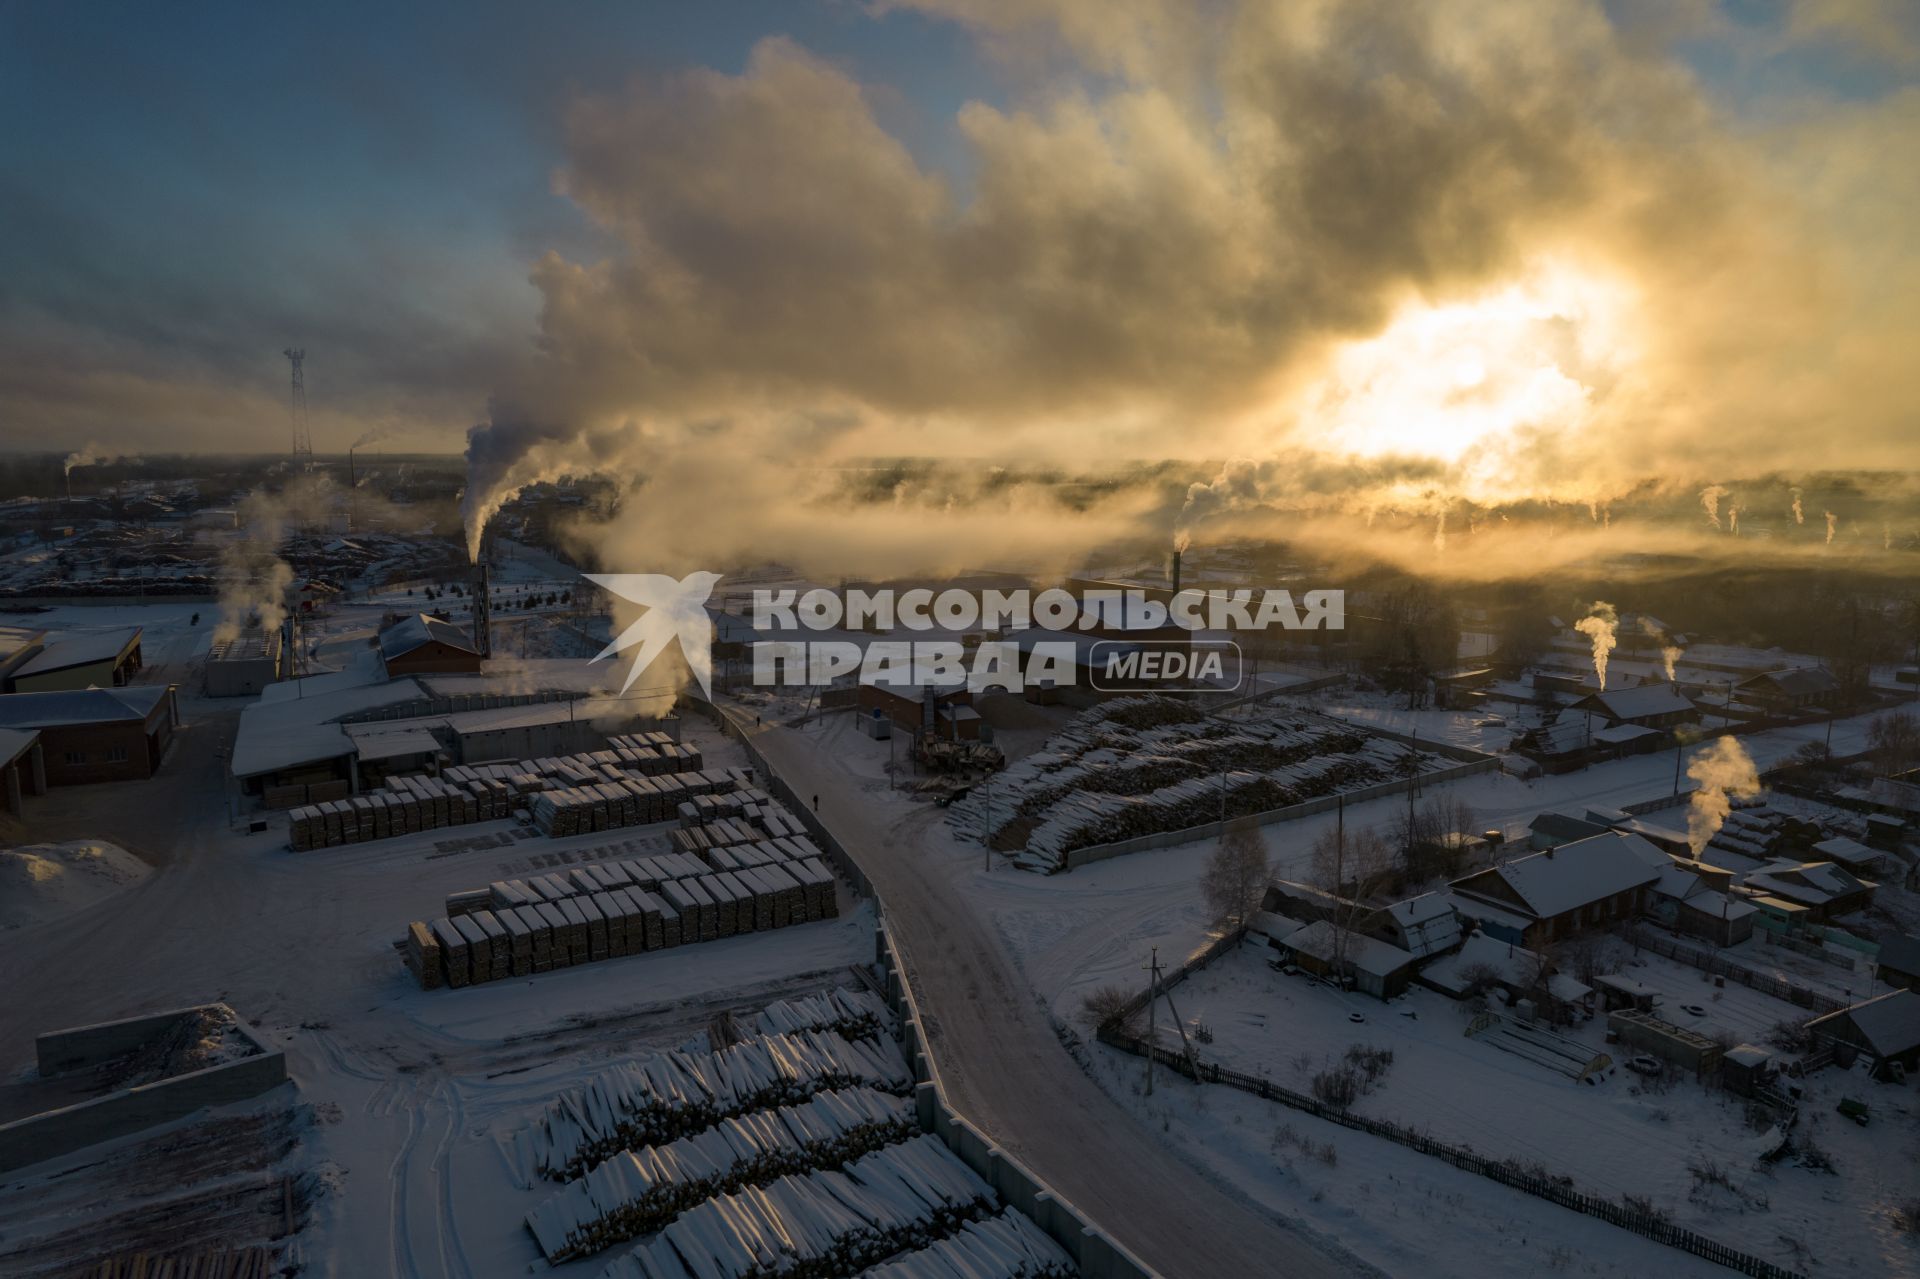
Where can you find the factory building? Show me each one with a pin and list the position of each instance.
(85, 659)
(97, 734)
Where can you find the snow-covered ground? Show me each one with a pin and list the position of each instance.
(1620, 1137)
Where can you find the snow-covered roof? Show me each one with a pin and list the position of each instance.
(1801, 681)
(82, 648)
(1890, 1023)
(1577, 874)
(1515, 965)
(1621, 734)
(1366, 954)
(1638, 702)
(283, 733)
(1842, 849)
(1564, 826)
(15, 742)
(1900, 952)
(1426, 924)
(417, 631)
(383, 741)
(1814, 883)
(80, 706)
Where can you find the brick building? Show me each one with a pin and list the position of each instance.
(97, 734)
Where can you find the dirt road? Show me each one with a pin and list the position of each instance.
(1007, 1071)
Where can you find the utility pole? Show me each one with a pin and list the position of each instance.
(1153, 1034)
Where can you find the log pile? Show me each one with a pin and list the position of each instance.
(1146, 766)
(641, 1191)
(669, 1095)
(1007, 1245)
(823, 1225)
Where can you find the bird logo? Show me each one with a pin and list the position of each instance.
(674, 607)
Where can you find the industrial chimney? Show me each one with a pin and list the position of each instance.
(482, 611)
(1176, 571)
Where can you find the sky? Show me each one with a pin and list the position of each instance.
(1363, 254)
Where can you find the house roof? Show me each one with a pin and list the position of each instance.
(1576, 874)
(81, 706)
(419, 630)
(1900, 953)
(1889, 1023)
(1621, 734)
(1800, 681)
(1564, 827)
(1517, 967)
(1639, 702)
(82, 648)
(1366, 954)
(1426, 924)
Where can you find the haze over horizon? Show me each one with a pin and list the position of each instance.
(1380, 257)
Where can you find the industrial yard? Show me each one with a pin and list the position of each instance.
(954, 640)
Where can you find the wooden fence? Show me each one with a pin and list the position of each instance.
(1507, 1173)
(1559, 1190)
(1720, 966)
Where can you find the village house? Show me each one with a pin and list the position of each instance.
(1547, 896)
(1898, 963)
(1824, 891)
(1783, 692)
(1648, 706)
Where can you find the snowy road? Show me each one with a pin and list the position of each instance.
(1005, 1069)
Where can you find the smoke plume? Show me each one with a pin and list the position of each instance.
(89, 454)
(1723, 772)
(1710, 502)
(1833, 522)
(1600, 625)
(1670, 652)
(1799, 513)
(254, 579)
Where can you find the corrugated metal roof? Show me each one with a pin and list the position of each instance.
(80, 706)
(1639, 702)
(15, 742)
(80, 649)
(1577, 874)
(1889, 1023)
(410, 633)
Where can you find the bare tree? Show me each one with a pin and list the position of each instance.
(1351, 866)
(1894, 739)
(1235, 877)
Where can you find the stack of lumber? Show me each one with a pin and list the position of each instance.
(670, 1094)
(423, 956)
(611, 909)
(820, 1223)
(640, 1191)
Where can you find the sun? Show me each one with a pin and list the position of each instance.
(1466, 382)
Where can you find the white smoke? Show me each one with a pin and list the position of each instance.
(254, 579)
(1601, 625)
(88, 454)
(1236, 486)
(1724, 772)
(1833, 522)
(1710, 502)
(1733, 519)
(1440, 533)
(1669, 652)
(1799, 512)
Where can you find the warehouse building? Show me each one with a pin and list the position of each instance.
(97, 734)
(245, 665)
(88, 659)
(18, 646)
(25, 766)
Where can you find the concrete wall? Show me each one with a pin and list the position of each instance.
(59, 1132)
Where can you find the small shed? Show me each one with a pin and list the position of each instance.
(1898, 963)
(1375, 967)
(1885, 1028)
(1746, 1070)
